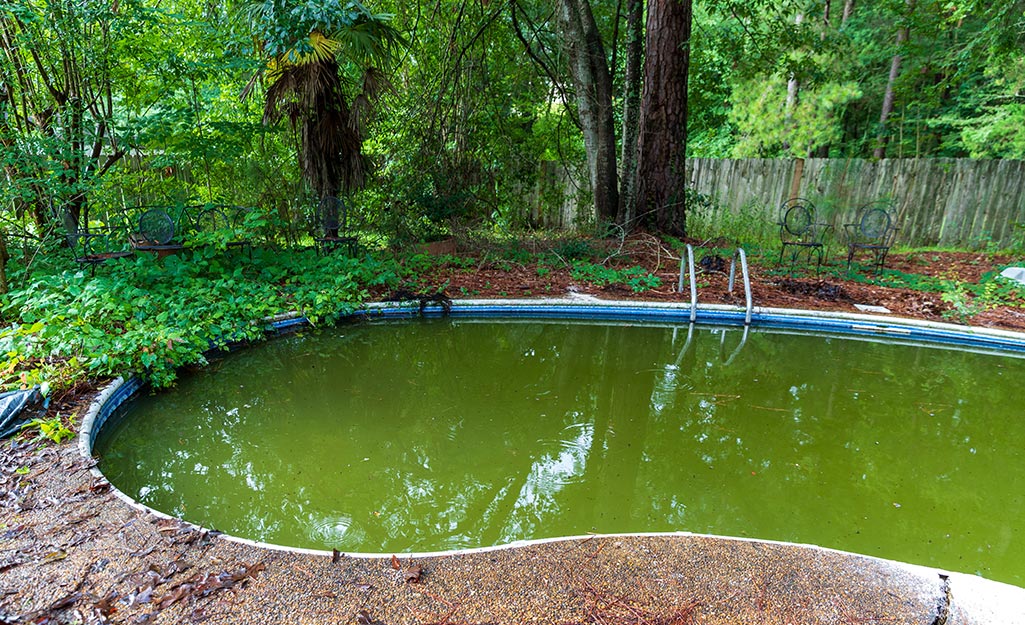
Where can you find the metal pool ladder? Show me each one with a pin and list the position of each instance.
(689, 259)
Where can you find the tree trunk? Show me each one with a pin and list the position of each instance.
(848, 9)
(631, 112)
(793, 86)
(883, 138)
(593, 81)
(661, 184)
(4, 256)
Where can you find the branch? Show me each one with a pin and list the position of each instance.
(548, 71)
(43, 74)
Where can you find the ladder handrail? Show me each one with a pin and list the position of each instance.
(747, 281)
(689, 259)
(693, 283)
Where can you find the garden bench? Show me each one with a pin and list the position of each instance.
(799, 230)
(873, 231)
(157, 229)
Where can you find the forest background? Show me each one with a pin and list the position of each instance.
(117, 103)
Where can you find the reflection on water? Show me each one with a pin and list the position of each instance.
(442, 434)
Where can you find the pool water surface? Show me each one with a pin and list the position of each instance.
(429, 435)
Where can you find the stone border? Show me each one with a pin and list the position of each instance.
(983, 600)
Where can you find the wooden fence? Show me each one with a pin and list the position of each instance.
(946, 202)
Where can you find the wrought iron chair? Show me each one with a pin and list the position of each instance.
(213, 218)
(91, 247)
(155, 233)
(873, 231)
(333, 217)
(799, 230)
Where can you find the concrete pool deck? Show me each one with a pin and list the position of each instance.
(74, 549)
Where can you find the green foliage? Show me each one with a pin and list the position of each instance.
(53, 429)
(636, 278)
(752, 227)
(969, 300)
(284, 27)
(574, 249)
(767, 129)
(153, 316)
(963, 304)
(999, 132)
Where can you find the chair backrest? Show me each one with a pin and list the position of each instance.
(875, 223)
(797, 217)
(212, 219)
(330, 213)
(156, 226)
(71, 230)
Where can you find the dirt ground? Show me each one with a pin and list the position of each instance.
(70, 552)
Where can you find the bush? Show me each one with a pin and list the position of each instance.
(151, 316)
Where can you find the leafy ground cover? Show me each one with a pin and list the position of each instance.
(941, 285)
(63, 325)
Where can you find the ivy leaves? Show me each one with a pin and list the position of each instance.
(154, 316)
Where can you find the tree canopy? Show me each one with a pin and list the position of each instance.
(133, 102)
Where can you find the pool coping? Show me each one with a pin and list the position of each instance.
(990, 601)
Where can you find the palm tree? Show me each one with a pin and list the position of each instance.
(323, 72)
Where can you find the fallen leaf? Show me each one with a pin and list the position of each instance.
(412, 574)
(107, 605)
(54, 556)
(395, 564)
(174, 596)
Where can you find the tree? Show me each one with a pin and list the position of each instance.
(592, 79)
(663, 128)
(898, 56)
(57, 107)
(631, 111)
(323, 75)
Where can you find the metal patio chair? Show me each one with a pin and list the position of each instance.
(333, 218)
(91, 246)
(799, 230)
(873, 231)
(155, 233)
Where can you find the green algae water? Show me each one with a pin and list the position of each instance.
(433, 435)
